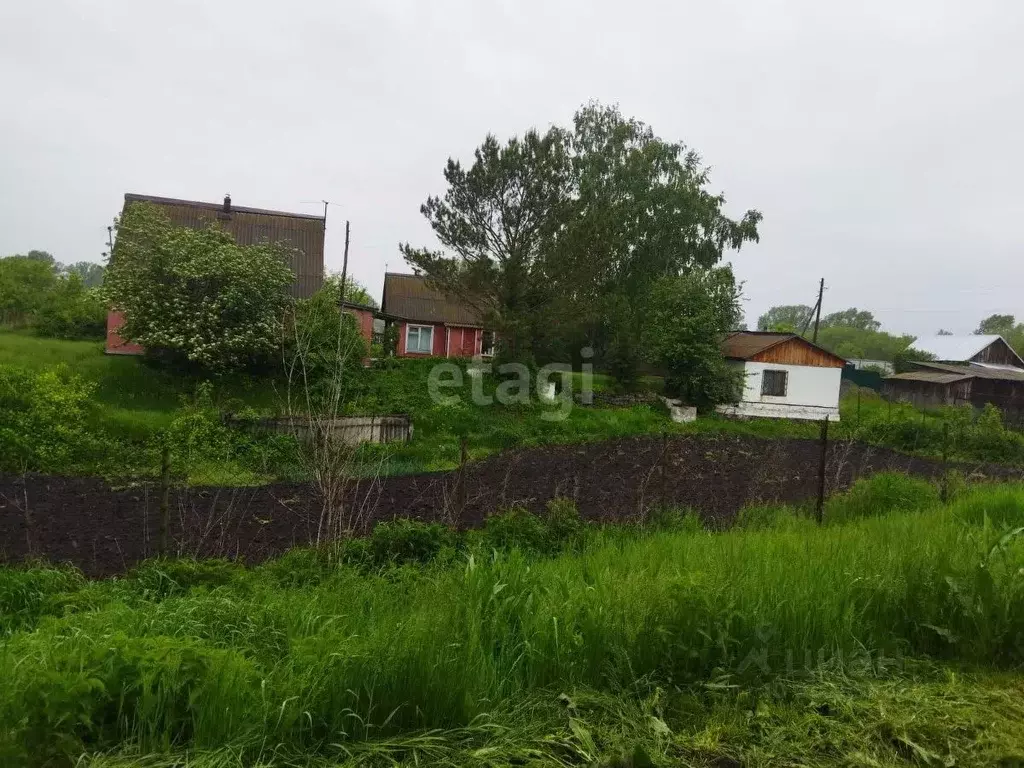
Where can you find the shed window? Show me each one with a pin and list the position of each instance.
(773, 383)
(419, 338)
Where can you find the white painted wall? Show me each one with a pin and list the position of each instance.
(807, 385)
(811, 392)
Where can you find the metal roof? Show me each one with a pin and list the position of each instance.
(300, 233)
(955, 348)
(976, 371)
(933, 377)
(411, 297)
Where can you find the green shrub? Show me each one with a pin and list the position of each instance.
(516, 528)
(72, 311)
(25, 593)
(408, 541)
(45, 420)
(161, 578)
(98, 692)
(563, 520)
(1001, 506)
(881, 494)
(763, 517)
(682, 519)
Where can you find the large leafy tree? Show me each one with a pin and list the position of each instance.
(496, 221)
(90, 272)
(684, 325)
(25, 284)
(851, 318)
(789, 318)
(641, 211)
(1003, 325)
(559, 238)
(195, 294)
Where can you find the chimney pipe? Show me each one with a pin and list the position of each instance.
(227, 203)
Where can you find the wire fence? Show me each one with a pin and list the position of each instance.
(105, 528)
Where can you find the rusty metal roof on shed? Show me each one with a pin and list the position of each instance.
(301, 233)
(413, 298)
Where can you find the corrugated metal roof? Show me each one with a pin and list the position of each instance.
(412, 297)
(976, 371)
(301, 233)
(954, 348)
(933, 377)
(743, 345)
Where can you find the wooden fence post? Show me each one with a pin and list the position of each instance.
(820, 508)
(463, 460)
(944, 487)
(165, 492)
(664, 469)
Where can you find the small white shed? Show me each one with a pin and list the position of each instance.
(785, 376)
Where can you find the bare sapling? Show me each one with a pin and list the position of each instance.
(320, 369)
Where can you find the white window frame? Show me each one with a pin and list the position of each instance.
(494, 343)
(785, 381)
(419, 335)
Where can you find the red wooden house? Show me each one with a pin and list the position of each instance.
(431, 323)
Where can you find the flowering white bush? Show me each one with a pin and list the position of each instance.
(195, 292)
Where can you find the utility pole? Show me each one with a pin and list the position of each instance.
(344, 270)
(817, 310)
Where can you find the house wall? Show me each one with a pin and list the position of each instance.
(364, 320)
(449, 341)
(115, 344)
(812, 392)
(798, 352)
(438, 341)
(926, 394)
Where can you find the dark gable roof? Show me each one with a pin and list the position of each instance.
(301, 232)
(746, 345)
(743, 345)
(411, 297)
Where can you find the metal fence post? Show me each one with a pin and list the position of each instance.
(820, 507)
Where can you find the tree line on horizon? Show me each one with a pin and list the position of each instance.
(856, 334)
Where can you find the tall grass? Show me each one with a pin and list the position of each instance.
(304, 654)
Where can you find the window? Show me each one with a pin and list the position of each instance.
(419, 339)
(487, 343)
(773, 383)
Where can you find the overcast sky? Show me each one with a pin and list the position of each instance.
(881, 140)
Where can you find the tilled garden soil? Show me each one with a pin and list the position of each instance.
(105, 530)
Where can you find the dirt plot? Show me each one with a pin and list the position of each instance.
(104, 529)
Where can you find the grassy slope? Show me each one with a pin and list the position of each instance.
(138, 401)
(762, 646)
